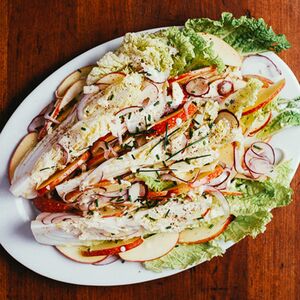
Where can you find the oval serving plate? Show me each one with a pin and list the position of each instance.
(16, 213)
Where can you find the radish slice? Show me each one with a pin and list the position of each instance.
(137, 190)
(223, 201)
(82, 104)
(36, 123)
(220, 180)
(229, 116)
(259, 166)
(197, 87)
(66, 154)
(261, 65)
(264, 150)
(108, 260)
(225, 88)
(127, 110)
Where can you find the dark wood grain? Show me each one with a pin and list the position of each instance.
(39, 36)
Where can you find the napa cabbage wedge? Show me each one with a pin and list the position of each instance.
(252, 213)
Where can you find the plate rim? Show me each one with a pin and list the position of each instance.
(28, 99)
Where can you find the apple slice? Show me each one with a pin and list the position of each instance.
(229, 56)
(74, 253)
(226, 155)
(153, 247)
(266, 81)
(170, 120)
(27, 143)
(112, 247)
(184, 78)
(260, 125)
(111, 78)
(61, 175)
(203, 234)
(265, 96)
(71, 79)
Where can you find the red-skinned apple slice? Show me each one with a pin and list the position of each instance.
(265, 96)
(261, 125)
(74, 253)
(203, 234)
(71, 79)
(267, 82)
(170, 120)
(26, 144)
(153, 247)
(228, 55)
(111, 78)
(184, 78)
(112, 247)
(59, 176)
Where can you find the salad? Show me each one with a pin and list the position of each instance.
(162, 152)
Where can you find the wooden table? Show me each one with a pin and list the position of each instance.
(37, 37)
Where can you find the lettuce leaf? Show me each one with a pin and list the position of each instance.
(258, 196)
(243, 226)
(183, 256)
(252, 211)
(285, 119)
(245, 34)
(154, 183)
(192, 50)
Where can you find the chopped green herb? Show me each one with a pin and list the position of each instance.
(157, 156)
(211, 226)
(97, 203)
(129, 116)
(166, 214)
(110, 97)
(132, 156)
(149, 118)
(156, 103)
(187, 146)
(83, 128)
(168, 227)
(257, 147)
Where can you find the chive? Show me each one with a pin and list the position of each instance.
(156, 103)
(188, 159)
(200, 218)
(119, 158)
(110, 97)
(152, 219)
(154, 170)
(211, 226)
(167, 213)
(83, 128)
(168, 227)
(149, 118)
(187, 146)
(97, 203)
(129, 115)
(166, 137)
(194, 120)
(119, 179)
(157, 156)
(169, 103)
(257, 147)
(145, 121)
(45, 169)
(132, 156)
